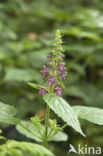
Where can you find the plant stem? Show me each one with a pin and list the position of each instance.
(65, 125)
(46, 126)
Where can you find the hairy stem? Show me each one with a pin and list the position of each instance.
(46, 126)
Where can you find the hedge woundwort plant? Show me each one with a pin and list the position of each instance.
(53, 74)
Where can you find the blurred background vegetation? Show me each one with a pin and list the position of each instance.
(27, 29)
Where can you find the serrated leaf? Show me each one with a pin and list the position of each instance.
(30, 126)
(7, 114)
(60, 136)
(31, 148)
(94, 115)
(63, 110)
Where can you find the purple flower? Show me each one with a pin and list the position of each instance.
(50, 64)
(45, 72)
(63, 55)
(61, 67)
(49, 56)
(58, 90)
(63, 75)
(52, 79)
(42, 91)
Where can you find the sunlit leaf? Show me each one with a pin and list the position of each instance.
(94, 115)
(60, 136)
(12, 147)
(63, 110)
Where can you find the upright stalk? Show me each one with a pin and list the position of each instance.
(46, 127)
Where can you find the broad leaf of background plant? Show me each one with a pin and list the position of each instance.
(7, 114)
(91, 114)
(63, 110)
(12, 146)
(1, 137)
(16, 74)
(60, 136)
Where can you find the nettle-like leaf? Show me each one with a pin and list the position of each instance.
(94, 115)
(14, 147)
(25, 132)
(7, 114)
(60, 136)
(63, 110)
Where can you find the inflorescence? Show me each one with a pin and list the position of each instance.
(54, 72)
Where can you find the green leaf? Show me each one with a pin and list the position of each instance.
(0, 131)
(16, 74)
(33, 85)
(31, 127)
(14, 151)
(12, 146)
(60, 136)
(75, 91)
(77, 31)
(63, 110)
(7, 113)
(94, 115)
(38, 58)
(2, 138)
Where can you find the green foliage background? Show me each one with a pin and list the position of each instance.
(27, 29)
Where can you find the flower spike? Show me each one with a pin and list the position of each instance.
(55, 69)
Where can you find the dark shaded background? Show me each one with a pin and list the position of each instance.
(27, 29)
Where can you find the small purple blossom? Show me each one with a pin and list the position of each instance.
(45, 72)
(63, 75)
(42, 91)
(49, 56)
(61, 67)
(63, 55)
(52, 79)
(58, 90)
